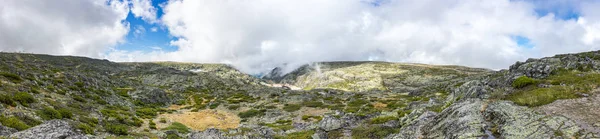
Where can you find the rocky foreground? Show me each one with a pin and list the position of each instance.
(46, 96)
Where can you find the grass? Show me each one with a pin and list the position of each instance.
(565, 85)
(251, 113)
(291, 107)
(13, 122)
(523, 81)
(178, 127)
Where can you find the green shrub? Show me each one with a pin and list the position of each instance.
(89, 121)
(49, 113)
(8, 100)
(357, 103)
(151, 124)
(28, 120)
(13, 122)
(12, 77)
(313, 104)
(251, 113)
(116, 129)
(213, 106)
(402, 113)
(65, 113)
(79, 84)
(146, 112)
(79, 98)
(163, 120)
(298, 135)
(85, 128)
(178, 127)
(383, 119)
(291, 107)
(24, 98)
(233, 107)
(523, 81)
(135, 122)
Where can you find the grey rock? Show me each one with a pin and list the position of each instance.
(207, 134)
(6, 131)
(53, 129)
(319, 135)
(330, 123)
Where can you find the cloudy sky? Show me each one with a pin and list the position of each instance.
(257, 35)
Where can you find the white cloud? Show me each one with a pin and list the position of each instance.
(66, 27)
(144, 9)
(139, 30)
(256, 35)
(154, 29)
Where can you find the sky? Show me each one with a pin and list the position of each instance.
(258, 35)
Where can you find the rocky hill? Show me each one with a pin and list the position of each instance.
(46, 96)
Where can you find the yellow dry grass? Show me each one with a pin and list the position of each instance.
(379, 105)
(204, 119)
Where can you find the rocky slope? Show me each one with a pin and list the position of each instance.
(46, 96)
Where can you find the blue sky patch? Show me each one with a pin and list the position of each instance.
(523, 41)
(147, 37)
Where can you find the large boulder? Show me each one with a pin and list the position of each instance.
(53, 129)
(330, 123)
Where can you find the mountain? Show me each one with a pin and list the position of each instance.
(45, 96)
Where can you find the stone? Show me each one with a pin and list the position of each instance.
(330, 123)
(53, 129)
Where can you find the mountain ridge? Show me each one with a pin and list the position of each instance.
(81, 97)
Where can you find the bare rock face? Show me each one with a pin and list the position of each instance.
(6, 131)
(476, 118)
(53, 129)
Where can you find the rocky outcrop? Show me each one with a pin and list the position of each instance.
(6, 131)
(477, 118)
(53, 129)
(149, 95)
(207, 134)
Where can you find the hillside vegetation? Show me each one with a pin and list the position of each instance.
(45, 96)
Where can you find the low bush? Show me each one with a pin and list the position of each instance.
(146, 112)
(12, 77)
(87, 129)
(313, 104)
(383, 119)
(251, 113)
(523, 81)
(179, 127)
(24, 98)
(151, 124)
(49, 113)
(297, 135)
(65, 113)
(13, 122)
(7, 99)
(291, 107)
(116, 129)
